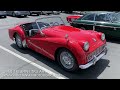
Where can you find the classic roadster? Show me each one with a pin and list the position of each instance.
(72, 47)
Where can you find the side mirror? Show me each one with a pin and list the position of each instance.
(32, 32)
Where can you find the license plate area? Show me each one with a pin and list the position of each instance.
(95, 53)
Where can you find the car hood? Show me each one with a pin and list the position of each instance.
(73, 33)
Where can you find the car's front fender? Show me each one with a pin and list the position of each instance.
(16, 30)
(73, 46)
(77, 51)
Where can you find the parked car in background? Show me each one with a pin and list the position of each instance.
(76, 12)
(18, 13)
(101, 21)
(3, 14)
(35, 13)
(46, 12)
(56, 12)
(71, 18)
(69, 12)
(72, 47)
(82, 12)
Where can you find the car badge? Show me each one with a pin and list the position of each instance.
(94, 40)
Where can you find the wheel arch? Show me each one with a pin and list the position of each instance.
(21, 34)
(75, 66)
(76, 50)
(60, 48)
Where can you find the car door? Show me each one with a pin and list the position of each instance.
(34, 37)
(86, 22)
(38, 42)
(115, 31)
(101, 24)
(104, 24)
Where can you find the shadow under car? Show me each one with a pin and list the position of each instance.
(91, 73)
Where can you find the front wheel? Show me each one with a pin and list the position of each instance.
(66, 60)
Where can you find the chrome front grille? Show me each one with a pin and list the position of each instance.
(95, 53)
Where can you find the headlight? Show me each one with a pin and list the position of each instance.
(86, 46)
(103, 36)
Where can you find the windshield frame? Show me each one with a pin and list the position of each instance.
(46, 18)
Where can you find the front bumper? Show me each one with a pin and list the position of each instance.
(94, 60)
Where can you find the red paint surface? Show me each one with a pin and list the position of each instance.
(68, 18)
(55, 38)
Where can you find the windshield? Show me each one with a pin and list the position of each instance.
(47, 22)
(115, 17)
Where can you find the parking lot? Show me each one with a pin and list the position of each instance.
(27, 64)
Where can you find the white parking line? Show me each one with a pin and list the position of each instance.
(32, 63)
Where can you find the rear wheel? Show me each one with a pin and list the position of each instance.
(66, 60)
(18, 41)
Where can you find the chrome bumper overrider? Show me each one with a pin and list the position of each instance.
(92, 62)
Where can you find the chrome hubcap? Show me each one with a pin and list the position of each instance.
(67, 60)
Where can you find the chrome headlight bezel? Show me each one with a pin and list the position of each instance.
(86, 46)
(103, 37)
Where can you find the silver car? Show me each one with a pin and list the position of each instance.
(46, 12)
(35, 13)
(3, 14)
(18, 13)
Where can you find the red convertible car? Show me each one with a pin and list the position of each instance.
(72, 47)
(72, 18)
